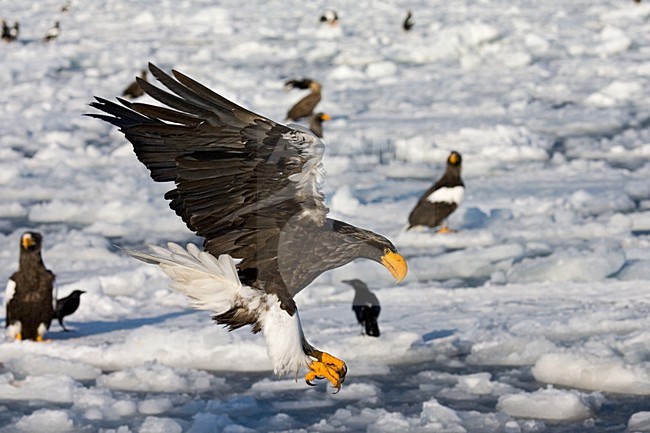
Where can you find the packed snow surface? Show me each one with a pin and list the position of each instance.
(534, 316)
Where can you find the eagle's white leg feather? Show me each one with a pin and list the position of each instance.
(42, 329)
(213, 284)
(284, 339)
(14, 329)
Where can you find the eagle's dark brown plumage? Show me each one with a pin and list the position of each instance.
(29, 294)
(252, 188)
(305, 106)
(442, 199)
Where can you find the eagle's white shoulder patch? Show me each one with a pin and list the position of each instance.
(10, 291)
(454, 194)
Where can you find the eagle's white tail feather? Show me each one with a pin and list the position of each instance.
(208, 283)
(212, 284)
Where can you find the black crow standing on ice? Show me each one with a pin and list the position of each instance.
(407, 25)
(366, 307)
(66, 306)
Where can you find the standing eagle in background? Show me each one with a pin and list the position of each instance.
(316, 123)
(29, 297)
(133, 90)
(253, 189)
(53, 32)
(365, 306)
(443, 198)
(305, 106)
(10, 34)
(330, 17)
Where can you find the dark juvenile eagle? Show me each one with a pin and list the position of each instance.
(443, 198)
(253, 189)
(29, 294)
(305, 106)
(67, 306)
(365, 306)
(133, 90)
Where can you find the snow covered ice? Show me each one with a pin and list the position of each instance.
(533, 317)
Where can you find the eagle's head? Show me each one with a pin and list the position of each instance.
(31, 241)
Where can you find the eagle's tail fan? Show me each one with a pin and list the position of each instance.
(209, 283)
(212, 284)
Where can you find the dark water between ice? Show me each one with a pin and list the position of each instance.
(402, 390)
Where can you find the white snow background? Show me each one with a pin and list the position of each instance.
(533, 317)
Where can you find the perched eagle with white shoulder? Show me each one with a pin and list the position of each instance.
(316, 123)
(253, 189)
(29, 297)
(442, 199)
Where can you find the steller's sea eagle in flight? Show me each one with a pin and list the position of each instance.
(253, 189)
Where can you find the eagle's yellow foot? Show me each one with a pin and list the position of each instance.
(445, 229)
(19, 337)
(327, 367)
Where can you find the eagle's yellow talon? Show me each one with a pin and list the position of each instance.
(445, 229)
(310, 377)
(327, 367)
